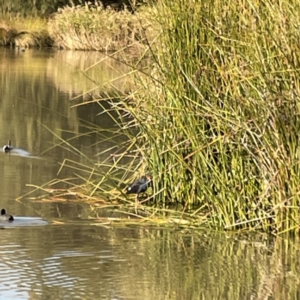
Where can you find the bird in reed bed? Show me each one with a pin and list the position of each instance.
(5, 217)
(7, 148)
(139, 186)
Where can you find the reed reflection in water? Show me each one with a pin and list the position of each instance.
(80, 261)
(37, 114)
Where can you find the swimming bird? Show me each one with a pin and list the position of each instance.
(7, 147)
(5, 217)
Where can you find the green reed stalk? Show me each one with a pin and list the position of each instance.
(218, 115)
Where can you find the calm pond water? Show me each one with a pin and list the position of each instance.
(54, 251)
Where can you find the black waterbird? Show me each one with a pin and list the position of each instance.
(5, 217)
(139, 186)
(8, 147)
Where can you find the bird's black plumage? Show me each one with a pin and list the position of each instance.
(5, 217)
(140, 185)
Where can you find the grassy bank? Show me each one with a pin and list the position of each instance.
(85, 27)
(24, 32)
(91, 27)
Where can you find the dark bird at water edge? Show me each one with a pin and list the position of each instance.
(140, 185)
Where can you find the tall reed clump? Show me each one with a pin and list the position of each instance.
(219, 114)
(92, 27)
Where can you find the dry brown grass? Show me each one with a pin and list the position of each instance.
(24, 32)
(91, 27)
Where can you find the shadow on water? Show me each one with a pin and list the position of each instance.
(54, 251)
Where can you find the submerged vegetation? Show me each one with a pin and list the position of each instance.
(214, 120)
